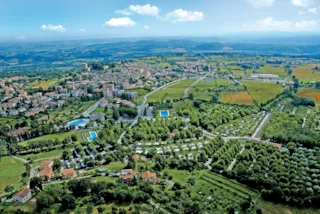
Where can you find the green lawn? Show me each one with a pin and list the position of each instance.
(272, 70)
(60, 136)
(274, 208)
(11, 171)
(174, 91)
(262, 92)
(39, 157)
(8, 120)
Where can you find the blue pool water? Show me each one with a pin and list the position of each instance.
(93, 135)
(164, 113)
(77, 122)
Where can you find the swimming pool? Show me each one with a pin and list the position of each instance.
(164, 113)
(79, 122)
(93, 135)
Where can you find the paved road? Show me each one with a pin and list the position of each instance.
(33, 171)
(198, 80)
(92, 108)
(265, 119)
(233, 163)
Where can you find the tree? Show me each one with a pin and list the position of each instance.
(89, 209)
(215, 99)
(74, 138)
(100, 209)
(68, 202)
(3, 151)
(36, 183)
(191, 96)
(56, 164)
(9, 188)
(116, 114)
(44, 200)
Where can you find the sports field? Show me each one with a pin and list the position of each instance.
(272, 70)
(310, 93)
(241, 97)
(262, 92)
(11, 173)
(171, 92)
(306, 73)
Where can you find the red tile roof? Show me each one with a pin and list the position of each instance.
(67, 172)
(127, 174)
(23, 192)
(148, 174)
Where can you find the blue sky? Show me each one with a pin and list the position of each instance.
(67, 19)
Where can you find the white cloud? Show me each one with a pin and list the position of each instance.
(21, 37)
(313, 10)
(147, 10)
(270, 24)
(301, 3)
(181, 15)
(261, 3)
(120, 22)
(124, 12)
(82, 30)
(53, 28)
(306, 25)
(146, 27)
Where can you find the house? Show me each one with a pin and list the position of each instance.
(127, 176)
(68, 173)
(149, 177)
(46, 171)
(22, 196)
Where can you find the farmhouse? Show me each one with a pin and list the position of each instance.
(127, 175)
(22, 196)
(149, 177)
(46, 171)
(68, 173)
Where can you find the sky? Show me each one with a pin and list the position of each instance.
(25, 20)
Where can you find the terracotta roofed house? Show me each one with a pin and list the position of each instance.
(46, 170)
(68, 173)
(23, 195)
(127, 175)
(149, 177)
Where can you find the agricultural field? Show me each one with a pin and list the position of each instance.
(311, 93)
(11, 173)
(268, 207)
(306, 73)
(44, 83)
(272, 70)
(175, 91)
(262, 92)
(8, 120)
(241, 97)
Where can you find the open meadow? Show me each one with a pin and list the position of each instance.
(175, 91)
(11, 173)
(262, 92)
(311, 93)
(44, 83)
(306, 73)
(272, 70)
(241, 97)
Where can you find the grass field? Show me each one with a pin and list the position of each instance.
(60, 136)
(305, 73)
(11, 173)
(44, 83)
(274, 208)
(7, 120)
(310, 93)
(272, 70)
(39, 157)
(262, 92)
(241, 97)
(174, 91)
